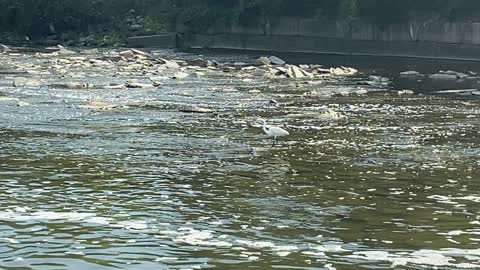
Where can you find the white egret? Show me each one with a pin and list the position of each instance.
(273, 131)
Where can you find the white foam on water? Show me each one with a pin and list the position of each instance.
(204, 238)
(255, 244)
(434, 258)
(132, 225)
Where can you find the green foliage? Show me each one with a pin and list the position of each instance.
(39, 18)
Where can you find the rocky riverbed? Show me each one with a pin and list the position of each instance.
(121, 158)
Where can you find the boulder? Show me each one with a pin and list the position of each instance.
(276, 61)
(128, 54)
(200, 62)
(263, 61)
(171, 65)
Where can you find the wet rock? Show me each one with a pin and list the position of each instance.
(455, 73)
(195, 109)
(199, 62)
(26, 82)
(440, 76)
(410, 73)
(64, 51)
(263, 61)
(306, 67)
(343, 71)
(276, 61)
(140, 53)
(405, 92)
(290, 71)
(133, 54)
(137, 85)
(171, 65)
(115, 86)
(180, 75)
(5, 48)
(239, 64)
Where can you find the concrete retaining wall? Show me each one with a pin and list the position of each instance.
(420, 39)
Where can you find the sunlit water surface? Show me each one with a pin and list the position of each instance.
(386, 181)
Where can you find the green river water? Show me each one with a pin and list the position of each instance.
(364, 181)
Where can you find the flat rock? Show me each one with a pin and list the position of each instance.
(440, 76)
(277, 61)
(137, 85)
(410, 73)
(195, 109)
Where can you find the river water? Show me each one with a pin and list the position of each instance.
(367, 178)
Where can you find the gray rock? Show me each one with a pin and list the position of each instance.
(410, 73)
(276, 61)
(195, 109)
(200, 62)
(4, 48)
(440, 76)
(263, 61)
(137, 85)
(239, 64)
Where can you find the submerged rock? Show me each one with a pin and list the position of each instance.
(26, 82)
(99, 105)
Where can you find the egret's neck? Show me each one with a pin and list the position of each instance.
(265, 128)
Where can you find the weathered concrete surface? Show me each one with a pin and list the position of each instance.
(167, 41)
(302, 44)
(431, 39)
